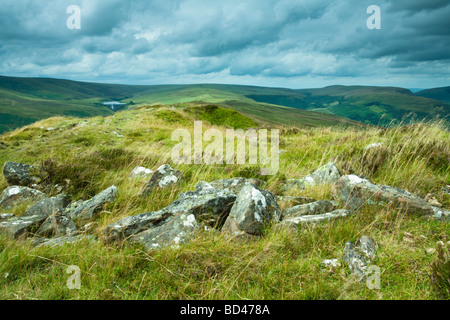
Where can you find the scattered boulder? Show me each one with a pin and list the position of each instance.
(235, 184)
(16, 195)
(20, 174)
(359, 256)
(163, 177)
(207, 204)
(252, 210)
(314, 208)
(21, 227)
(48, 206)
(63, 240)
(175, 232)
(140, 172)
(91, 208)
(314, 219)
(326, 174)
(355, 192)
(58, 224)
(5, 216)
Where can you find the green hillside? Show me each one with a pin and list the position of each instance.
(442, 94)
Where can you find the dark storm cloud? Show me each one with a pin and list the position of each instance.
(287, 42)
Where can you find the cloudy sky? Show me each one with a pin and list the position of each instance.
(287, 43)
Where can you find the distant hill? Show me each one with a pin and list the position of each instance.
(442, 94)
(26, 100)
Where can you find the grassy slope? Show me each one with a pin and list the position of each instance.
(442, 94)
(281, 265)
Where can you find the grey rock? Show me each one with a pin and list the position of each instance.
(16, 195)
(5, 216)
(20, 174)
(356, 192)
(314, 208)
(208, 205)
(441, 214)
(140, 172)
(314, 219)
(235, 184)
(359, 256)
(64, 240)
(373, 145)
(175, 232)
(48, 206)
(252, 210)
(331, 263)
(290, 201)
(163, 177)
(21, 227)
(91, 208)
(326, 174)
(58, 224)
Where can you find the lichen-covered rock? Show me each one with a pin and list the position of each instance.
(58, 224)
(16, 195)
(235, 184)
(91, 208)
(314, 219)
(48, 206)
(174, 232)
(314, 208)
(326, 174)
(140, 172)
(356, 192)
(5, 216)
(20, 174)
(21, 227)
(208, 205)
(163, 177)
(64, 240)
(252, 210)
(441, 214)
(359, 256)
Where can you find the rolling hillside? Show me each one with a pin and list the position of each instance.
(26, 100)
(442, 94)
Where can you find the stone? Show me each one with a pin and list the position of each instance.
(91, 208)
(5, 216)
(358, 256)
(356, 192)
(314, 208)
(209, 206)
(21, 227)
(441, 214)
(290, 201)
(253, 209)
(314, 219)
(331, 263)
(64, 240)
(58, 224)
(140, 172)
(175, 232)
(326, 174)
(163, 177)
(48, 206)
(235, 184)
(20, 174)
(17, 195)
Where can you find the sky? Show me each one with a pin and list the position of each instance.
(287, 43)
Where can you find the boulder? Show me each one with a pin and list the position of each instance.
(20, 174)
(235, 184)
(48, 206)
(140, 172)
(175, 232)
(252, 210)
(64, 240)
(16, 195)
(326, 174)
(21, 227)
(314, 208)
(358, 256)
(58, 224)
(5, 216)
(356, 192)
(314, 219)
(208, 205)
(163, 177)
(91, 208)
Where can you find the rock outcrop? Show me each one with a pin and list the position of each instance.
(358, 256)
(163, 177)
(20, 174)
(314, 219)
(326, 174)
(91, 208)
(17, 195)
(313, 208)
